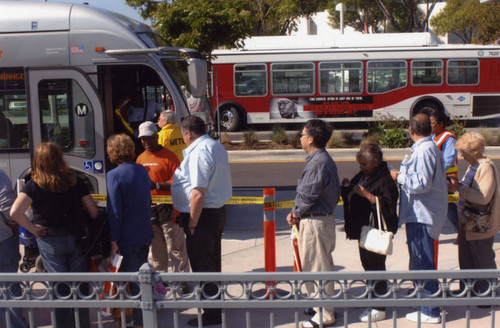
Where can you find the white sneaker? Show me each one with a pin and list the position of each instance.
(424, 318)
(376, 315)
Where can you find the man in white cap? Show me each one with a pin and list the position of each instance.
(169, 238)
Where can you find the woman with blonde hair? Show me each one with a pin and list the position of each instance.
(56, 195)
(128, 208)
(479, 194)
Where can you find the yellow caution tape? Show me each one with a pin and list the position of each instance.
(161, 199)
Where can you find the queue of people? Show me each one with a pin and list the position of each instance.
(196, 173)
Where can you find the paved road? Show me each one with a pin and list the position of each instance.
(282, 168)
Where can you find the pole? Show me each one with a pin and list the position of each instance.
(341, 7)
(269, 230)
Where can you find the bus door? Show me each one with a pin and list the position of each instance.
(65, 109)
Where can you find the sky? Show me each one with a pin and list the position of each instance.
(118, 6)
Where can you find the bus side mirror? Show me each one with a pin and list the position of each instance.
(197, 72)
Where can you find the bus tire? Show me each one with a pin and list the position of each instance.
(230, 118)
(427, 107)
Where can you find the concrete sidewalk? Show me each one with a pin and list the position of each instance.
(243, 251)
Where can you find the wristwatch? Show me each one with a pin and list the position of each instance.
(157, 186)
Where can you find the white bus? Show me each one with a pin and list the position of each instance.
(69, 74)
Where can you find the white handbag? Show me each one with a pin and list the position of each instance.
(376, 240)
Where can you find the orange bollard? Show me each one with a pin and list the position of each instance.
(269, 230)
(436, 252)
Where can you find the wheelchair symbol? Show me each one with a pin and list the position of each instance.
(87, 166)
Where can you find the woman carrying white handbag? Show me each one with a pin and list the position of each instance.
(360, 195)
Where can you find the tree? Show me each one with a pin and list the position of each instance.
(415, 18)
(358, 14)
(207, 24)
(277, 17)
(202, 24)
(400, 15)
(471, 21)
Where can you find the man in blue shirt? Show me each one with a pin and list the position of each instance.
(200, 190)
(317, 195)
(422, 205)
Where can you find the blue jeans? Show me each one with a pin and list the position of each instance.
(134, 256)
(421, 251)
(60, 254)
(9, 262)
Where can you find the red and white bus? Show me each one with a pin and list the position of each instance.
(347, 83)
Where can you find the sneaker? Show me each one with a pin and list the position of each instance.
(424, 318)
(377, 315)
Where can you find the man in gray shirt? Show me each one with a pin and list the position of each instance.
(317, 195)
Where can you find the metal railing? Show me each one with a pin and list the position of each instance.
(254, 291)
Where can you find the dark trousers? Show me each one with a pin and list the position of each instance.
(374, 262)
(134, 256)
(476, 254)
(204, 249)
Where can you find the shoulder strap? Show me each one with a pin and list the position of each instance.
(380, 217)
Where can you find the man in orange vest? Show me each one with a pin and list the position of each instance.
(446, 140)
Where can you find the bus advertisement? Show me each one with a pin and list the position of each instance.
(74, 75)
(349, 83)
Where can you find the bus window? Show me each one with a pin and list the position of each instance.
(66, 117)
(386, 76)
(293, 78)
(428, 72)
(250, 80)
(13, 110)
(341, 77)
(463, 72)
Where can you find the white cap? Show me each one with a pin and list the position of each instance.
(147, 129)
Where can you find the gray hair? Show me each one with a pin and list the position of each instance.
(169, 115)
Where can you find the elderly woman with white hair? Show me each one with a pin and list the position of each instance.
(478, 206)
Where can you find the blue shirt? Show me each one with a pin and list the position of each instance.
(424, 190)
(449, 152)
(318, 189)
(205, 165)
(129, 204)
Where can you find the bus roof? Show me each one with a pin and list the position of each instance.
(351, 40)
(26, 16)
(386, 46)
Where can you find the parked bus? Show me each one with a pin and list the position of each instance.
(391, 75)
(74, 75)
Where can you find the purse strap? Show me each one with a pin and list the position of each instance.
(381, 221)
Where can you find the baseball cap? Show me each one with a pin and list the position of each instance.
(147, 129)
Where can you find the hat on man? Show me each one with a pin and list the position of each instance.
(147, 129)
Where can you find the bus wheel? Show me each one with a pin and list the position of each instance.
(426, 107)
(230, 118)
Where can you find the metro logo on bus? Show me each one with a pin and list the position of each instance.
(81, 110)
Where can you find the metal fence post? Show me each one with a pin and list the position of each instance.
(148, 304)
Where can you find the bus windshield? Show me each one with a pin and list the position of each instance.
(179, 72)
(153, 40)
